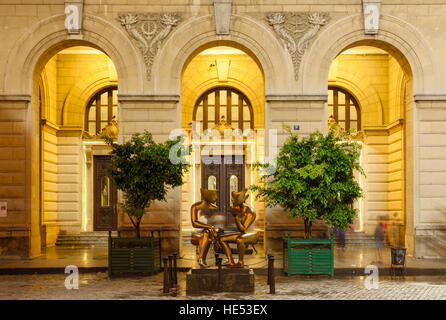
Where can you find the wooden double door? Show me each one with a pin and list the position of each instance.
(105, 196)
(225, 174)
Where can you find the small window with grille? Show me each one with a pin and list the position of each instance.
(344, 108)
(101, 108)
(224, 103)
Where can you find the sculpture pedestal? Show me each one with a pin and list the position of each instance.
(200, 281)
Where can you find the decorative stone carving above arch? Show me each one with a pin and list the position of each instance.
(148, 32)
(296, 30)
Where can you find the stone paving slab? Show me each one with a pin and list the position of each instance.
(99, 286)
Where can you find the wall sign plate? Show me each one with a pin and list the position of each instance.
(371, 11)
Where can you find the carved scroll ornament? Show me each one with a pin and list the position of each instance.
(338, 130)
(110, 130)
(296, 30)
(148, 31)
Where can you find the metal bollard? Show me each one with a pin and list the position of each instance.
(175, 274)
(271, 280)
(170, 271)
(267, 272)
(166, 277)
(219, 275)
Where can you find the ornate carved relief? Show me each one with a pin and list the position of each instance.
(148, 32)
(333, 125)
(296, 30)
(110, 130)
(222, 125)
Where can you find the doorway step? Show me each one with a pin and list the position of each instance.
(84, 239)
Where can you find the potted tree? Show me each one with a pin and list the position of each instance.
(314, 180)
(144, 171)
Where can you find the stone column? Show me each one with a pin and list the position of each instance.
(309, 112)
(69, 179)
(19, 230)
(426, 223)
(159, 114)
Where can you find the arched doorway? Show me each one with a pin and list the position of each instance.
(223, 108)
(222, 101)
(370, 94)
(31, 52)
(79, 89)
(345, 111)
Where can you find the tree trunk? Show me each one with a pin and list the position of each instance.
(138, 230)
(308, 225)
(136, 226)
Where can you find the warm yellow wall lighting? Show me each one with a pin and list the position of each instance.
(222, 50)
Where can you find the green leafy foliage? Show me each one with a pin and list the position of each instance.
(142, 169)
(314, 178)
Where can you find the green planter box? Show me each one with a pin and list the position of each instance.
(134, 255)
(308, 256)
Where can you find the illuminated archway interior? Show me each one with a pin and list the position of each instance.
(381, 83)
(227, 84)
(66, 85)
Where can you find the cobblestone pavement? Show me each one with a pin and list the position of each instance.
(99, 286)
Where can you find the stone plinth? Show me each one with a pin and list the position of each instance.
(200, 281)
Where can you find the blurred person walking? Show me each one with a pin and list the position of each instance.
(379, 240)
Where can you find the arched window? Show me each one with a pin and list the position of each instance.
(101, 108)
(225, 102)
(344, 108)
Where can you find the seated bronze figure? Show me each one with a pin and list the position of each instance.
(209, 197)
(244, 217)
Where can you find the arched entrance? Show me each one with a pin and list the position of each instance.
(275, 81)
(380, 82)
(78, 106)
(32, 52)
(224, 108)
(223, 112)
(414, 55)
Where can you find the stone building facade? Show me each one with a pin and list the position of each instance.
(67, 67)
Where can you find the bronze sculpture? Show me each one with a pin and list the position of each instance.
(244, 217)
(209, 197)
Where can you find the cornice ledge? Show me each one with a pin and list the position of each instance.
(69, 131)
(431, 226)
(429, 97)
(15, 97)
(384, 127)
(148, 97)
(296, 97)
